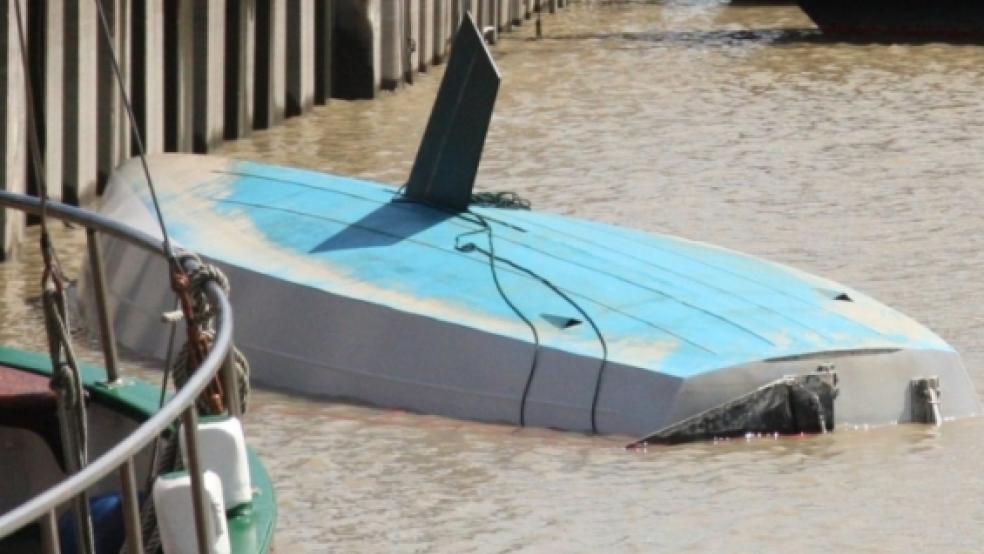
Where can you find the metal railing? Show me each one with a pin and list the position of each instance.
(42, 508)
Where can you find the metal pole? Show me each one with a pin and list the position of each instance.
(230, 384)
(189, 420)
(73, 464)
(409, 45)
(131, 508)
(49, 533)
(495, 20)
(106, 333)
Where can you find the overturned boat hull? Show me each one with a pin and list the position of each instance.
(906, 19)
(400, 305)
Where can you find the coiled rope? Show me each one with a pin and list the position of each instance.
(503, 199)
(166, 456)
(203, 317)
(183, 368)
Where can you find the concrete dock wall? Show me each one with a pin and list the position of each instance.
(198, 72)
(382, 44)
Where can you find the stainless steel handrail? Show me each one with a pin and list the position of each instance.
(182, 404)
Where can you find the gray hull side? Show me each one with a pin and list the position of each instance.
(307, 341)
(303, 340)
(873, 386)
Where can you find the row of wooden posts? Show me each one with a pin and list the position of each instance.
(198, 72)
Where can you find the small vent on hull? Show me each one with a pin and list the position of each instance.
(561, 321)
(836, 295)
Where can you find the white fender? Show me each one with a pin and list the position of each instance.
(176, 513)
(222, 448)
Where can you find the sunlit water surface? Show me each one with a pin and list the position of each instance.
(729, 125)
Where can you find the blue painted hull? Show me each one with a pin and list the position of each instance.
(669, 312)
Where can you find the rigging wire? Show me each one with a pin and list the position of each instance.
(512, 200)
(66, 379)
(52, 279)
(34, 147)
(175, 266)
(137, 138)
(493, 258)
(472, 247)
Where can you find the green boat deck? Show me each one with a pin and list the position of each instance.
(251, 528)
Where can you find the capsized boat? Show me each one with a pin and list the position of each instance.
(905, 19)
(425, 300)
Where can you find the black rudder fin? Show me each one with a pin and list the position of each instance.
(447, 161)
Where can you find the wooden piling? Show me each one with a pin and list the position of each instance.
(54, 67)
(393, 44)
(442, 22)
(411, 23)
(271, 57)
(208, 109)
(356, 57)
(13, 164)
(112, 144)
(491, 7)
(504, 14)
(147, 74)
(80, 124)
(45, 30)
(300, 56)
(457, 12)
(194, 75)
(324, 14)
(240, 65)
(477, 9)
(425, 45)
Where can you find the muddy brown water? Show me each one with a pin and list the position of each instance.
(730, 125)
